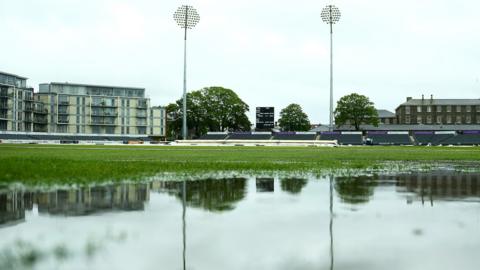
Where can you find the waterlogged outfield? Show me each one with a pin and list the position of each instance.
(32, 164)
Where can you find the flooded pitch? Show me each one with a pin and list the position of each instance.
(406, 221)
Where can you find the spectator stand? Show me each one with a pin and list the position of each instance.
(388, 138)
(297, 136)
(343, 137)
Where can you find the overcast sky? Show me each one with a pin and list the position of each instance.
(272, 53)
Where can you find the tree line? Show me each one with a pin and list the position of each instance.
(221, 109)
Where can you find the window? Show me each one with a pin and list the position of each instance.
(439, 119)
(429, 108)
(63, 99)
(458, 119)
(419, 108)
(407, 119)
(459, 108)
(419, 119)
(449, 119)
(449, 108)
(469, 108)
(407, 109)
(478, 108)
(468, 119)
(429, 119)
(78, 129)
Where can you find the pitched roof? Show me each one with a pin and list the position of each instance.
(385, 114)
(427, 101)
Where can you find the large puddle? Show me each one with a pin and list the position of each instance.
(407, 221)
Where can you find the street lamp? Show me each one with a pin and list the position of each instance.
(186, 17)
(331, 15)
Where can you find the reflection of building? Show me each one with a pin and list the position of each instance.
(13, 205)
(89, 200)
(265, 185)
(81, 201)
(440, 186)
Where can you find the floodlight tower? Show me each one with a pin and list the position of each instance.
(186, 17)
(331, 15)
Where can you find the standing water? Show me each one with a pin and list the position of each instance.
(407, 221)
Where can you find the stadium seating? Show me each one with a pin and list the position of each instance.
(466, 138)
(294, 136)
(249, 136)
(217, 136)
(342, 139)
(430, 138)
(384, 138)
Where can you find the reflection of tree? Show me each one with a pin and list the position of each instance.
(210, 194)
(293, 185)
(355, 189)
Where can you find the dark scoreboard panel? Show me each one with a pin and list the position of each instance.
(265, 118)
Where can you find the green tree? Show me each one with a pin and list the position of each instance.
(355, 109)
(210, 109)
(225, 110)
(174, 123)
(292, 118)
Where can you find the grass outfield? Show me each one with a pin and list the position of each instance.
(33, 164)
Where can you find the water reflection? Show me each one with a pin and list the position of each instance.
(293, 185)
(313, 227)
(355, 190)
(72, 202)
(265, 184)
(214, 195)
(440, 186)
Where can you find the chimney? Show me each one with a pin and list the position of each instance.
(431, 99)
(409, 98)
(423, 99)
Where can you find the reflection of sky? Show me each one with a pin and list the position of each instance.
(269, 230)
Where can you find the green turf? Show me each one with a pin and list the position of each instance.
(33, 164)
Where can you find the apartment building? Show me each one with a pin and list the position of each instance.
(439, 111)
(77, 109)
(16, 103)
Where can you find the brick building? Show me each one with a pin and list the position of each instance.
(430, 111)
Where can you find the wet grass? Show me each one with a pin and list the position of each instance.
(39, 164)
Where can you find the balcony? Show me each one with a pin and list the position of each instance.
(62, 121)
(40, 121)
(63, 113)
(104, 114)
(63, 103)
(40, 111)
(103, 123)
(103, 105)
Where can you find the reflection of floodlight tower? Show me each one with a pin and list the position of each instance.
(331, 15)
(186, 17)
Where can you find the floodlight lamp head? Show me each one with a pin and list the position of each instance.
(186, 17)
(330, 14)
